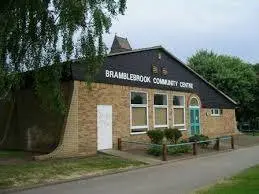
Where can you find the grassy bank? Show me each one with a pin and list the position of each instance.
(34, 172)
(246, 182)
(12, 154)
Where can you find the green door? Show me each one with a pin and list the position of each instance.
(195, 121)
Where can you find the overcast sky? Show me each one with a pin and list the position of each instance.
(184, 26)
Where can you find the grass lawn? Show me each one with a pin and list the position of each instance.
(246, 182)
(251, 133)
(36, 172)
(12, 154)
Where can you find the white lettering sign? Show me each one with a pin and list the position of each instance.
(146, 79)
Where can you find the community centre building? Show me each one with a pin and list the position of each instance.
(133, 92)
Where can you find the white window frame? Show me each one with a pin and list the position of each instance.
(138, 106)
(184, 111)
(161, 106)
(213, 110)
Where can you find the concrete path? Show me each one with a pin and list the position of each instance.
(177, 177)
(243, 140)
(127, 155)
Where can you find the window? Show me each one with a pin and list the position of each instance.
(179, 111)
(154, 69)
(194, 102)
(160, 110)
(216, 112)
(139, 113)
(164, 71)
(178, 101)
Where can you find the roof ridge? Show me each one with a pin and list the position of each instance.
(135, 50)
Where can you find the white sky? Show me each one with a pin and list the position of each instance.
(184, 26)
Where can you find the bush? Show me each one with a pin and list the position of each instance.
(200, 138)
(155, 150)
(172, 135)
(179, 149)
(156, 136)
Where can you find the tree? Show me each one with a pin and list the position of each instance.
(229, 74)
(256, 91)
(39, 33)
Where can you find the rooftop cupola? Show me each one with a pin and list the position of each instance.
(120, 45)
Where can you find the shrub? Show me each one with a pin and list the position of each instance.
(158, 150)
(200, 138)
(184, 141)
(179, 149)
(156, 136)
(173, 135)
(155, 150)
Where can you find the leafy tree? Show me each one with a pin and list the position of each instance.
(39, 33)
(229, 74)
(256, 91)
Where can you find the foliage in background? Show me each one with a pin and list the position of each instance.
(156, 136)
(172, 135)
(231, 75)
(256, 91)
(39, 33)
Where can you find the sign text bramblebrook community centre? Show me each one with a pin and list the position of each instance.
(146, 79)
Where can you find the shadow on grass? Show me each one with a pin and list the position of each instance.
(37, 172)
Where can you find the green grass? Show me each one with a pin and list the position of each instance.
(41, 172)
(251, 133)
(12, 154)
(246, 182)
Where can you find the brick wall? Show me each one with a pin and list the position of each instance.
(214, 126)
(119, 98)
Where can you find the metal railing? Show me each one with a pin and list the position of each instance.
(183, 149)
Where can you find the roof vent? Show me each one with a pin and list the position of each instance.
(120, 45)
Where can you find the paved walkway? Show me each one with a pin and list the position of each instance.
(127, 155)
(246, 140)
(176, 177)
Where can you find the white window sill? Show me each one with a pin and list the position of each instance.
(138, 133)
(139, 127)
(161, 126)
(179, 125)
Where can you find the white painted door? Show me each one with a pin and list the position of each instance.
(104, 127)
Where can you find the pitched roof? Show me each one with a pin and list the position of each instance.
(181, 62)
(120, 45)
